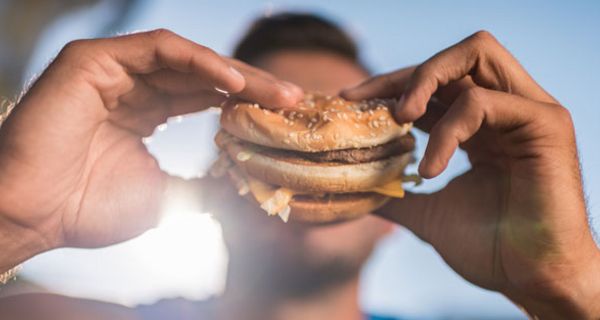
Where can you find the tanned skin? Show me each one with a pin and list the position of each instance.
(74, 171)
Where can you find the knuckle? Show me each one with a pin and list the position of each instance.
(422, 71)
(484, 37)
(208, 53)
(429, 75)
(160, 34)
(76, 47)
(82, 55)
(474, 96)
(562, 116)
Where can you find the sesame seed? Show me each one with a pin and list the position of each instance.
(286, 141)
(265, 111)
(382, 118)
(236, 106)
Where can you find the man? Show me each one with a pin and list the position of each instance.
(77, 174)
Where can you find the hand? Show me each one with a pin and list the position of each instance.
(516, 221)
(73, 168)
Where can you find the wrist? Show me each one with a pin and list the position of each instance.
(576, 298)
(18, 242)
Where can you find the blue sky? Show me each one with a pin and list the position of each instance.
(557, 41)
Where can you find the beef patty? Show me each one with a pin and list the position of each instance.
(395, 147)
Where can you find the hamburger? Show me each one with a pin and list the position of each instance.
(326, 160)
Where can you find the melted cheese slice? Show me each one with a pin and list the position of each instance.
(391, 189)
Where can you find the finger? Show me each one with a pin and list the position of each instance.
(387, 85)
(435, 111)
(185, 104)
(472, 109)
(147, 52)
(414, 211)
(205, 194)
(216, 195)
(480, 56)
(174, 82)
(185, 194)
(143, 121)
(265, 89)
(139, 95)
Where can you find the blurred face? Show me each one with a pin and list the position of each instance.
(299, 259)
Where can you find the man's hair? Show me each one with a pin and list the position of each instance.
(295, 31)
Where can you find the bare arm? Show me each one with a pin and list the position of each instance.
(516, 221)
(73, 168)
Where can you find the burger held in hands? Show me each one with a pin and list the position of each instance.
(327, 159)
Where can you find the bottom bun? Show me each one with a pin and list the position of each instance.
(335, 207)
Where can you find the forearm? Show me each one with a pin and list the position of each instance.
(17, 245)
(579, 299)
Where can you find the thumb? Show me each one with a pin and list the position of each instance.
(416, 212)
(197, 194)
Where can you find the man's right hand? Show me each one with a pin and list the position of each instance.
(516, 221)
(73, 168)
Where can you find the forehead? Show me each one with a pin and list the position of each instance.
(314, 70)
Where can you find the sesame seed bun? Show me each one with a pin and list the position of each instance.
(335, 207)
(326, 160)
(319, 123)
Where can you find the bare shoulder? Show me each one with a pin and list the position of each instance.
(55, 307)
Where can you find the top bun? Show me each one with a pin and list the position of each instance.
(318, 123)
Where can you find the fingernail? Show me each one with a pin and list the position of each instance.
(234, 72)
(292, 87)
(400, 103)
(423, 168)
(222, 91)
